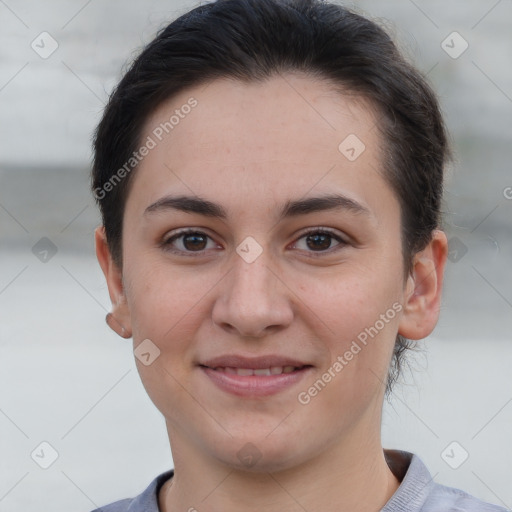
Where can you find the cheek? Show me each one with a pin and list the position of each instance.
(347, 301)
(356, 317)
(164, 300)
(166, 307)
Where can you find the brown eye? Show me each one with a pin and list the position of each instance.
(188, 241)
(194, 241)
(320, 241)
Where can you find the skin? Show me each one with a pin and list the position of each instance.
(251, 148)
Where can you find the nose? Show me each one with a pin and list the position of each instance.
(253, 300)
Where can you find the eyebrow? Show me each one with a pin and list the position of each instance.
(295, 208)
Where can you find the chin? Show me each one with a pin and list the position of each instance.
(257, 455)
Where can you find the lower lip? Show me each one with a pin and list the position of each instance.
(254, 385)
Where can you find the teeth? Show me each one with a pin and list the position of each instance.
(262, 371)
(273, 370)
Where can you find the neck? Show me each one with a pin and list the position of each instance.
(351, 476)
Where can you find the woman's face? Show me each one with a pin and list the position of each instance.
(275, 319)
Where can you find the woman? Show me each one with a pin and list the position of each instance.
(269, 175)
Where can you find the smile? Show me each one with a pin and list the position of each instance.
(254, 377)
(273, 370)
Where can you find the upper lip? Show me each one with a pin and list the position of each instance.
(235, 361)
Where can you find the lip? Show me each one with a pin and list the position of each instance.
(253, 385)
(236, 361)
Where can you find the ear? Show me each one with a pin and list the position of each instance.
(119, 319)
(422, 300)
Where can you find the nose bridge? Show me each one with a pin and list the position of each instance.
(251, 278)
(252, 298)
(251, 284)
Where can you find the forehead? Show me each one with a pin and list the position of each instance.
(292, 107)
(281, 137)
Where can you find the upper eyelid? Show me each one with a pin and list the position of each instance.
(316, 229)
(342, 238)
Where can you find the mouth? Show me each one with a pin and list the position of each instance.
(254, 377)
(246, 372)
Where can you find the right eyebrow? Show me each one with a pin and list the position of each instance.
(187, 204)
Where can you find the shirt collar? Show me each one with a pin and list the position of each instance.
(416, 484)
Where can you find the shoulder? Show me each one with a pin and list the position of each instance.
(419, 493)
(117, 506)
(451, 499)
(147, 501)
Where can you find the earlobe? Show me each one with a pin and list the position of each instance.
(422, 296)
(116, 326)
(119, 320)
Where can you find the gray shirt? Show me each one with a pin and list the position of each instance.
(417, 492)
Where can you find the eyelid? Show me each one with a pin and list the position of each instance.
(343, 240)
(322, 229)
(166, 241)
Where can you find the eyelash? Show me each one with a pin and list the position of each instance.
(166, 244)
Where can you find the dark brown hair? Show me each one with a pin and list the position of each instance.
(253, 40)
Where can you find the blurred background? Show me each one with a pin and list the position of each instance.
(77, 430)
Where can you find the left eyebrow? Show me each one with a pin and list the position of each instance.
(323, 203)
(190, 204)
